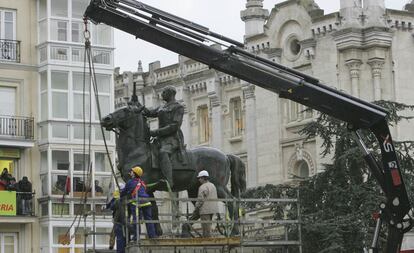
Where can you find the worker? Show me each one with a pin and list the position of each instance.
(135, 186)
(118, 219)
(204, 207)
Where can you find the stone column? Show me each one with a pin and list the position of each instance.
(376, 68)
(354, 69)
(250, 133)
(216, 121)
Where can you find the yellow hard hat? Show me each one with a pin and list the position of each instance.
(116, 194)
(138, 171)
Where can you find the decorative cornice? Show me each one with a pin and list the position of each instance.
(214, 99)
(363, 38)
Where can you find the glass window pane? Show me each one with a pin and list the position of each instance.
(98, 134)
(43, 81)
(44, 106)
(59, 80)
(78, 8)
(76, 35)
(103, 83)
(59, 130)
(43, 161)
(103, 239)
(60, 209)
(80, 238)
(44, 212)
(60, 184)
(81, 105)
(78, 80)
(80, 161)
(60, 235)
(42, 9)
(8, 101)
(8, 25)
(9, 249)
(102, 185)
(60, 160)
(79, 186)
(44, 182)
(42, 31)
(102, 163)
(59, 8)
(59, 105)
(58, 30)
(79, 132)
(104, 106)
(78, 209)
(44, 132)
(45, 235)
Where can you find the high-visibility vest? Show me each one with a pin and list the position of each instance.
(135, 192)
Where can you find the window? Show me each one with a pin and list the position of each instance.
(60, 130)
(102, 162)
(42, 9)
(7, 101)
(301, 169)
(203, 124)
(59, 8)
(297, 112)
(101, 35)
(59, 30)
(8, 243)
(7, 25)
(59, 82)
(78, 8)
(60, 160)
(76, 34)
(237, 122)
(80, 162)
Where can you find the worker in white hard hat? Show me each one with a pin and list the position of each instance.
(204, 207)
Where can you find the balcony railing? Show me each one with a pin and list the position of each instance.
(17, 127)
(10, 50)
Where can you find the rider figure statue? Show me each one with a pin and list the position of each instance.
(169, 135)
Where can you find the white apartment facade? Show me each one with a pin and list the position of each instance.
(42, 122)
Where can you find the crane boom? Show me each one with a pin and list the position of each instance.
(189, 39)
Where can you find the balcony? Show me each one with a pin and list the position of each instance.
(16, 131)
(10, 50)
(16, 207)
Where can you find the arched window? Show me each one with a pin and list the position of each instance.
(301, 169)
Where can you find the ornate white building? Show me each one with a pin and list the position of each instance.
(363, 49)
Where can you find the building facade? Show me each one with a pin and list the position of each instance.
(363, 50)
(50, 130)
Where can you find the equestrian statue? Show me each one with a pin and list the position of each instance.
(167, 165)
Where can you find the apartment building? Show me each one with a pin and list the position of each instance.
(45, 100)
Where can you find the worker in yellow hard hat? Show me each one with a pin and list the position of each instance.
(136, 186)
(118, 219)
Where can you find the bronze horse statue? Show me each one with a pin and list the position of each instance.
(134, 148)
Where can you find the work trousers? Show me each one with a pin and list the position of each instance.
(205, 226)
(120, 238)
(144, 214)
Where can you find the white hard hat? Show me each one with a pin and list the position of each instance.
(121, 186)
(203, 173)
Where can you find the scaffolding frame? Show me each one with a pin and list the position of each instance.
(254, 233)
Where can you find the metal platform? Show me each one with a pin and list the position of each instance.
(190, 242)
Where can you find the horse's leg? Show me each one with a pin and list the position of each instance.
(232, 207)
(158, 229)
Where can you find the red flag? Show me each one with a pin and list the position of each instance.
(67, 184)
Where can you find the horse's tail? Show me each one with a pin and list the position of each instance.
(238, 175)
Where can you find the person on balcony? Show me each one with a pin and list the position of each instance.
(136, 186)
(24, 187)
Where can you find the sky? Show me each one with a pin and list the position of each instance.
(220, 16)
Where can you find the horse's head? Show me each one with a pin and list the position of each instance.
(122, 118)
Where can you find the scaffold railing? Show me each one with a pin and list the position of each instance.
(263, 223)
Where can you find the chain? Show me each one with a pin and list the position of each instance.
(86, 34)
